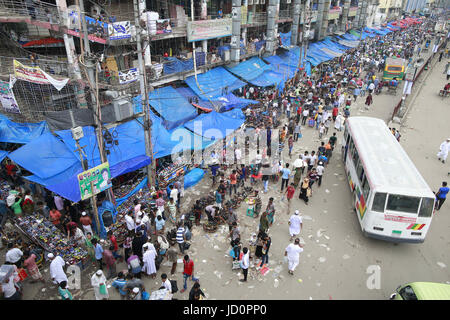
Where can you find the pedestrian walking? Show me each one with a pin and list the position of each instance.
(285, 172)
(289, 195)
(245, 263)
(292, 253)
(441, 195)
(98, 282)
(444, 149)
(319, 170)
(295, 224)
(188, 272)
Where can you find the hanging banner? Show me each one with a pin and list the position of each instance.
(208, 29)
(100, 176)
(7, 98)
(128, 76)
(37, 75)
(119, 30)
(163, 26)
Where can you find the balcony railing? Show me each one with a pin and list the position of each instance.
(285, 14)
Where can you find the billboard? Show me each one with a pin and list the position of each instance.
(99, 177)
(208, 29)
(128, 76)
(119, 30)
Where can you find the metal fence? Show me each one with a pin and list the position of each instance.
(50, 66)
(42, 11)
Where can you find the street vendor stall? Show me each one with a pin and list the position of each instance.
(44, 234)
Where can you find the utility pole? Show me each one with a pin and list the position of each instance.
(144, 97)
(304, 35)
(90, 64)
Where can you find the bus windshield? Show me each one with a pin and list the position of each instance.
(397, 69)
(403, 203)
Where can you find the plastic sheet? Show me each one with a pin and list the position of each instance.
(20, 132)
(193, 177)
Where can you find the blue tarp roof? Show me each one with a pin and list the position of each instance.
(223, 103)
(20, 132)
(214, 82)
(3, 154)
(250, 69)
(172, 106)
(214, 125)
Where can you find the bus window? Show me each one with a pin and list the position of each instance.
(355, 156)
(395, 68)
(403, 203)
(359, 170)
(407, 293)
(365, 188)
(379, 201)
(426, 208)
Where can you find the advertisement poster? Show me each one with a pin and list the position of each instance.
(100, 177)
(128, 76)
(7, 99)
(119, 30)
(37, 75)
(163, 26)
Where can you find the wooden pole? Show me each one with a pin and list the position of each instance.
(94, 203)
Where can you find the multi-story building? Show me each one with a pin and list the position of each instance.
(223, 32)
(388, 10)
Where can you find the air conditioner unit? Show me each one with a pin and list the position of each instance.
(77, 133)
(123, 109)
(288, 1)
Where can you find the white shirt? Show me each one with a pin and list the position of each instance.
(245, 261)
(14, 255)
(258, 158)
(130, 223)
(174, 194)
(293, 252)
(8, 288)
(445, 146)
(298, 163)
(166, 284)
(56, 270)
(305, 113)
(320, 170)
(313, 160)
(371, 86)
(295, 223)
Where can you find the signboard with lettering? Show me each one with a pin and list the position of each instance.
(98, 178)
(208, 29)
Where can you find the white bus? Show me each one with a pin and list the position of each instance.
(392, 200)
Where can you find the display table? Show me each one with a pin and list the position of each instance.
(43, 233)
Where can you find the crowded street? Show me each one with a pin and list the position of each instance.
(240, 222)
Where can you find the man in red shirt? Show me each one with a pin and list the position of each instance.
(188, 271)
(290, 194)
(86, 222)
(113, 240)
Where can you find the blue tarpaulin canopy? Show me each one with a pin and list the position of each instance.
(214, 83)
(172, 106)
(213, 125)
(250, 69)
(3, 154)
(286, 39)
(20, 132)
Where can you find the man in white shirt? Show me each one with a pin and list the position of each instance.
(166, 282)
(295, 224)
(292, 252)
(258, 157)
(320, 169)
(444, 149)
(174, 195)
(371, 87)
(298, 163)
(245, 262)
(56, 269)
(306, 159)
(14, 255)
(130, 221)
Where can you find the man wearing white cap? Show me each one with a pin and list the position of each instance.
(149, 261)
(295, 224)
(292, 252)
(444, 149)
(86, 222)
(135, 294)
(98, 281)
(56, 269)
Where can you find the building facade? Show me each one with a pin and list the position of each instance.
(175, 35)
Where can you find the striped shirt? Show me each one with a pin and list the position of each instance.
(180, 235)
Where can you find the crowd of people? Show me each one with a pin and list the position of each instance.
(160, 229)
